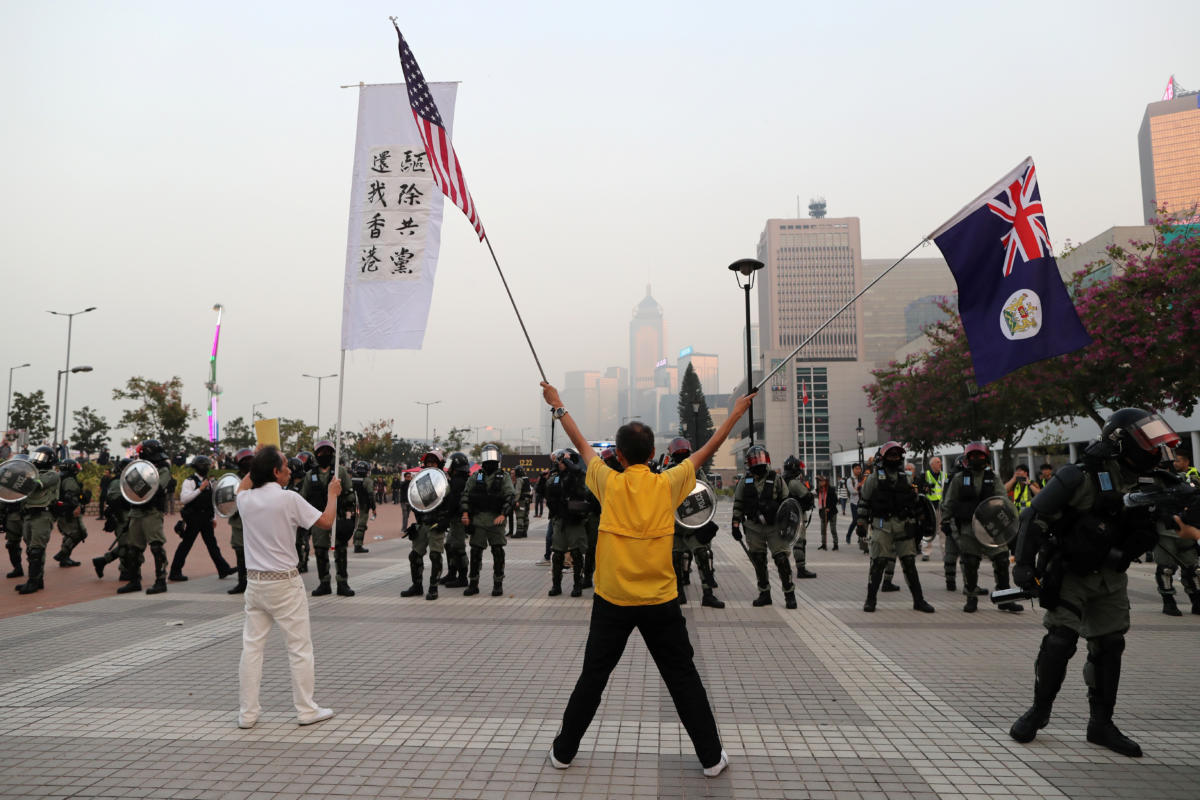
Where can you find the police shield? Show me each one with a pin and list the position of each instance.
(925, 518)
(18, 478)
(139, 482)
(428, 489)
(790, 519)
(224, 495)
(995, 522)
(698, 508)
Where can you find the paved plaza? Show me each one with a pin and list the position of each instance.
(136, 696)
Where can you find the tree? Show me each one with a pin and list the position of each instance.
(477, 448)
(374, 442)
(405, 452)
(457, 438)
(31, 413)
(160, 414)
(236, 434)
(295, 435)
(697, 426)
(91, 430)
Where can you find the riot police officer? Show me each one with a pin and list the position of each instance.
(299, 465)
(13, 524)
(146, 523)
(116, 522)
(1073, 549)
(487, 501)
(316, 492)
(38, 521)
(966, 490)
(793, 474)
(1173, 553)
(364, 493)
(524, 490)
(566, 502)
(72, 500)
(888, 502)
(196, 511)
(693, 542)
(428, 535)
(756, 500)
(456, 533)
(242, 459)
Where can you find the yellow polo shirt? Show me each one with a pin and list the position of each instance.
(637, 523)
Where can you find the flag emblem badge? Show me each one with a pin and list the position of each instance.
(1022, 315)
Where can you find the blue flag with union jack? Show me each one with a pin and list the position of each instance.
(1014, 306)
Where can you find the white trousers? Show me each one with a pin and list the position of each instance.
(286, 603)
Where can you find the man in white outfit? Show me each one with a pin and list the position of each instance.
(275, 592)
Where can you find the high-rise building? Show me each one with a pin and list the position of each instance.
(1169, 152)
(646, 349)
(885, 307)
(705, 366)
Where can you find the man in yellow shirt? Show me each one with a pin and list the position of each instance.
(635, 582)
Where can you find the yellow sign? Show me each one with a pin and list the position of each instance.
(266, 431)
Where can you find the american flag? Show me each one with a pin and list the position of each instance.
(447, 171)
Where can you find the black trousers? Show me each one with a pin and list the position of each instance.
(664, 630)
(191, 530)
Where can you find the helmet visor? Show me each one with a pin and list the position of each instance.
(1154, 432)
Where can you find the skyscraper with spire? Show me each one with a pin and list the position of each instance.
(647, 348)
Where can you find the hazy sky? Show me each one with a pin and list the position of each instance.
(162, 157)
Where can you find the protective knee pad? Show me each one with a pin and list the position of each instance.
(435, 561)
(498, 560)
(1187, 577)
(1107, 648)
(1060, 642)
(158, 549)
(343, 533)
(1164, 576)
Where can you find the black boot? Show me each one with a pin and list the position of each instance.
(784, 565)
(677, 563)
(1000, 571)
(909, 565)
(63, 557)
(302, 550)
(972, 604)
(435, 571)
(37, 563)
(1049, 670)
(802, 570)
(498, 570)
(686, 562)
(577, 573)
(14, 556)
(710, 600)
(1195, 598)
(1169, 607)
(416, 565)
(473, 572)
(951, 576)
(874, 578)
(970, 573)
(98, 564)
(240, 586)
(160, 569)
(131, 571)
(760, 573)
(341, 562)
(1103, 675)
(704, 563)
(321, 556)
(457, 570)
(556, 572)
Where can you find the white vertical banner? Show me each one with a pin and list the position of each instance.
(394, 234)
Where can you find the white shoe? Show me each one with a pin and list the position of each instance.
(321, 715)
(554, 762)
(718, 768)
(246, 722)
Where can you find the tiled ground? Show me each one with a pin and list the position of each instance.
(135, 696)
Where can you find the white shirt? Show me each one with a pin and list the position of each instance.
(270, 517)
(190, 489)
(852, 489)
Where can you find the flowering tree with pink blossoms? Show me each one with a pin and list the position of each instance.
(1145, 327)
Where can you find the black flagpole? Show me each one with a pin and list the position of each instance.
(515, 309)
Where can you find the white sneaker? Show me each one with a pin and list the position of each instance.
(718, 768)
(246, 722)
(545, 562)
(321, 715)
(554, 762)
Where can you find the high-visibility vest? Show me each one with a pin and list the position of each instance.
(934, 485)
(1193, 475)
(1021, 496)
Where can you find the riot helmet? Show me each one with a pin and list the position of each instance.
(892, 454)
(296, 466)
(153, 451)
(307, 460)
(1140, 438)
(792, 467)
(489, 459)
(518, 471)
(459, 463)
(434, 455)
(43, 457)
(609, 456)
(360, 469)
(758, 460)
(201, 465)
(243, 458)
(976, 455)
(325, 452)
(678, 449)
(69, 468)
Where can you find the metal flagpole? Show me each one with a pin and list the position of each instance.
(516, 311)
(337, 437)
(837, 314)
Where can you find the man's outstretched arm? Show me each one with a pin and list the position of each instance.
(550, 394)
(706, 451)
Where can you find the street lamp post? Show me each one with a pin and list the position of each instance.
(67, 383)
(254, 410)
(58, 382)
(318, 379)
(8, 411)
(745, 268)
(695, 427)
(427, 405)
(862, 439)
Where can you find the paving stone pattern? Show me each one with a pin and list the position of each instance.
(136, 696)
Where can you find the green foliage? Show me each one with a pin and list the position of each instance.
(236, 434)
(31, 413)
(91, 430)
(697, 426)
(295, 435)
(456, 439)
(374, 442)
(159, 413)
